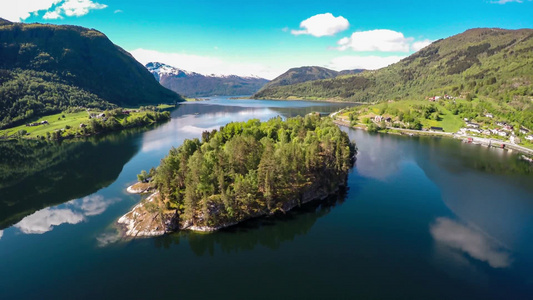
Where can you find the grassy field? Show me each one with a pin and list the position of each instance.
(448, 121)
(56, 122)
(65, 121)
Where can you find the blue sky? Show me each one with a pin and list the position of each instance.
(265, 38)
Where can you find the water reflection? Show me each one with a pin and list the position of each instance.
(490, 188)
(189, 120)
(377, 160)
(270, 232)
(38, 174)
(93, 205)
(108, 238)
(72, 212)
(476, 244)
(44, 220)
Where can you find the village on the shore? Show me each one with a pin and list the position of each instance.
(486, 129)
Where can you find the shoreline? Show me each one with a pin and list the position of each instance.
(132, 190)
(129, 223)
(474, 140)
(301, 99)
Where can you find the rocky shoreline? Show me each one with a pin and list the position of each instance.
(142, 221)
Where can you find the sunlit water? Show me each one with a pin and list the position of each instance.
(423, 218)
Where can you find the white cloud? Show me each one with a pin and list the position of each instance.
(118, 11)
(362, 62)
(22, 9)
(80, 7)
(471, 241)
(376, 40)
(206, 64)
(71, 8)
(52, 15)
(44, 220)
(322, 25)
(420, 44)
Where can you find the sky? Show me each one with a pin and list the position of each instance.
(266, 38)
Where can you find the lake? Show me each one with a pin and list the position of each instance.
(423, 218)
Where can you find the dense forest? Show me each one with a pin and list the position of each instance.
(304, 74)
(45, 69)
(252, 168)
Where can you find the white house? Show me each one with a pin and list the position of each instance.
(500, 123)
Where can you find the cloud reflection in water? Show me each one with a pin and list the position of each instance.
(73, 212)
(95, 204)
(471, 241)
(44, 220)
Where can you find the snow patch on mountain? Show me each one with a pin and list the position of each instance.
(159, 70)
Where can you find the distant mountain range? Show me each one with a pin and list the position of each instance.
(488, 62)
(193, 84)
(46, 68)
(300, 75)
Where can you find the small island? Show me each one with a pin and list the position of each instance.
(242, 171)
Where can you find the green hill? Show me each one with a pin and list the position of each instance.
(300, 75)
(491, 63)
(45, 69)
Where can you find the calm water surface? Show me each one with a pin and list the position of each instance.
(423, 218)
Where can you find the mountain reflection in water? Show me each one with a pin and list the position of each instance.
(38, 174)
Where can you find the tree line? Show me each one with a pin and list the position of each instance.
(252, 168)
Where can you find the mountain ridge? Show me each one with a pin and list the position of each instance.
(304, 74)
(194, 84)
(48, 68)
(492, 62)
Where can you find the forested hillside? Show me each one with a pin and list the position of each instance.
(302, 74)
(491, 63)
(46, 69)
(250, 169)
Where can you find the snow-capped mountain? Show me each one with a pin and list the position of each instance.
(193, 84)
(161, 70)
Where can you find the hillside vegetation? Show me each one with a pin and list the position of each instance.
(301, 74)
(45, 69)
(493, 63)
(251, 169)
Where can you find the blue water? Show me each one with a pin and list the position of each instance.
(423, 218)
